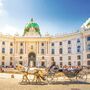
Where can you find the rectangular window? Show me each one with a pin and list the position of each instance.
(53, 51)
(21, 44)
(42, 51)
(69, 49)
(21, 51)
(3, 50)
(42, 44)
(11, 44)
(88, 62)
(78, 49)
(52, 58)
(69, 57)
(78, 63)
(78, 57)
(21, 62)
(60, 51)
(88, 38)
(3, 57)
(11, 51)
(52, 44)
(61, 63)
(78, 40)
(11, 58)
(3, 63)
(88, 47)
(69, 63)
(88, 56)
(20, 57)
(60, 43)
(69, 42)
(43, 64)
(3, 43)
(61, 58)
(11, 63)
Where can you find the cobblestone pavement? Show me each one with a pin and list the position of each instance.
(8, 83)
(13, 84)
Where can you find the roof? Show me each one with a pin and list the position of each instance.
(32, 24)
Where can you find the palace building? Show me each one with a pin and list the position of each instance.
(38, 51)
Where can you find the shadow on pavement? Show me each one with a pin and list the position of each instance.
(54, 83)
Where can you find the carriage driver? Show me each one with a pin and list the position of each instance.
(53, 64)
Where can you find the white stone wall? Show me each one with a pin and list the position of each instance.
(36, 43)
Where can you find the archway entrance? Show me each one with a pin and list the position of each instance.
(32, 59)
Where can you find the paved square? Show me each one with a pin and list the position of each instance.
(13, 84)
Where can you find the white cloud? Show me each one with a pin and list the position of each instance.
(2, 10)
(9, 29)
(1, 4)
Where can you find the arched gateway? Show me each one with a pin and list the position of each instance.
(32, 59)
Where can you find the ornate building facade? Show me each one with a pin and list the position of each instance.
(38, 51)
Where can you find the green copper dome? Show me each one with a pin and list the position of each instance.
(32, 24)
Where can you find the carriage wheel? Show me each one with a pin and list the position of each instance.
(82, 76)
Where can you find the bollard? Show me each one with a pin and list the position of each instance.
(12, 76)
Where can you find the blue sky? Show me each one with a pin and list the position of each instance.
(53, 16)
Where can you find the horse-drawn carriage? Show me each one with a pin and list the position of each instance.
(72, 74)
(38, 75)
